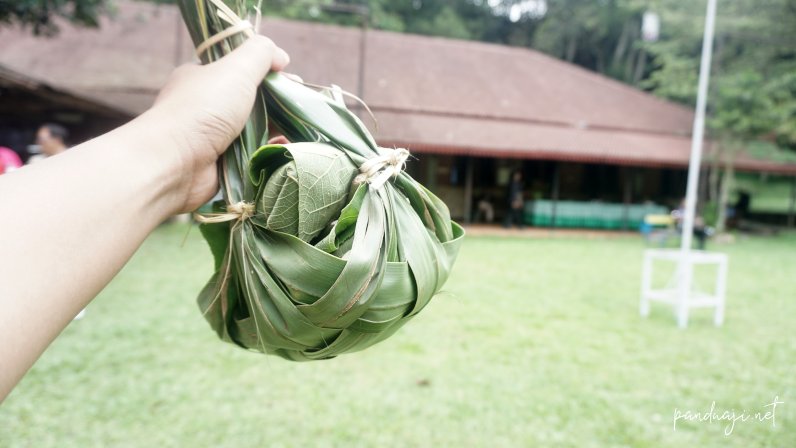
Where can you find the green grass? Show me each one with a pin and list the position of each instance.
(538, 343)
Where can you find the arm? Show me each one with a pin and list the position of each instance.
(70, 223)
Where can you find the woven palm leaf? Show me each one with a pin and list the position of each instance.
(321, 261)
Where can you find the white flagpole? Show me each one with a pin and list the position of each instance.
(681, 295)
(699, 129)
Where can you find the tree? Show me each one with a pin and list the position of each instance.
(40, 14)
(753, 86)
(461, 20)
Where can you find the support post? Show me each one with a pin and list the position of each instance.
(556, 187)
(364, 13)
(721, 292)
(468, 190)
(627, 197)
(431, 172)
(685, 280)
(792, 211)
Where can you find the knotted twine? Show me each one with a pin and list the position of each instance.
(236, 25)
(378, 170)
(375, 171)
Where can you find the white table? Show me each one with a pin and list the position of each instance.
(680, 292)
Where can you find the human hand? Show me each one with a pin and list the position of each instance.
(206, 108)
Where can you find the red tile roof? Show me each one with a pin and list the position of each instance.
(429, 94)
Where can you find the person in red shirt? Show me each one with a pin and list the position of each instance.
(9, 160)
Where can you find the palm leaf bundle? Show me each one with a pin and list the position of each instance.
(333, 247)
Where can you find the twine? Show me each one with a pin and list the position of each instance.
(237, 25)
(241, 27)
(378, 170)
(235, 212)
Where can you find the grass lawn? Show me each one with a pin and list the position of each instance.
(538, 343)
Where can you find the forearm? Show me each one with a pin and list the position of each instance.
(69, 224)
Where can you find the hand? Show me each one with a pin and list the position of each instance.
(207, 108)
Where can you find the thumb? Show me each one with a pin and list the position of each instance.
(255, 58)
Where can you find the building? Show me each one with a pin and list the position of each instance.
(26, 103)
(472, 112)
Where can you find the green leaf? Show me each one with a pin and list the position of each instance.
(302, 196)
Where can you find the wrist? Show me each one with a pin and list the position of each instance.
(189, 141)
(158, 161)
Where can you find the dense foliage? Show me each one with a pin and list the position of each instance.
(40, 14)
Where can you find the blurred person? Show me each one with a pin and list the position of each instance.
(51, 139)
(515, 201)
(9, 160)
(740, 210)
(485, 210)
(701, 232)
(113, 191)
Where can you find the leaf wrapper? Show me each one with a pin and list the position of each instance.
(325, 266)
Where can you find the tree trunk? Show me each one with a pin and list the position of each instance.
(713, 183)
(630, 64)
(572, 48)
(716, 150)
(703, 194)
(621, 46)
(641, 66)
(600, 60)
(724, 196)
